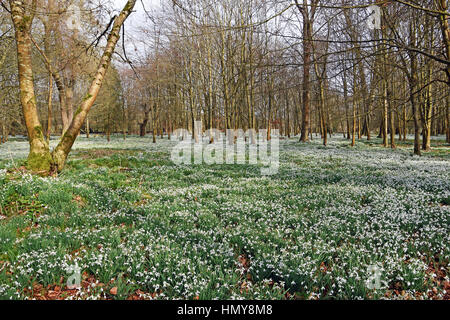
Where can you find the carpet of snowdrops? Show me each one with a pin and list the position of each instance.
(138, 226)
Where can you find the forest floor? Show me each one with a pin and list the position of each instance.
(330, 224)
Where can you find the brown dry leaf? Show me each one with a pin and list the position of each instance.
(113, 291)
(447, 285)
(37, 286)
(52, 294)
(85, 284)
(244, 261)
(323, 267)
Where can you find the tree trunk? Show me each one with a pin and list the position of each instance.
(443, 6)
(347, 115)
(39, 158)
(447, 119)
(87, 128)
(65, 145)
(391, 118)
(50, 107)
(143, 125)
(412, 89)
(307, 50)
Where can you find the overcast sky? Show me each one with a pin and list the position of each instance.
(137, 18)
(134, 22)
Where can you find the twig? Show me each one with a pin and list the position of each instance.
(97, 40)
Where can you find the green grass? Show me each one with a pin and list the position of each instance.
(134, 221)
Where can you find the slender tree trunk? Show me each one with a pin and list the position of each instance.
(4, 135)
(385, 114)
(143, 125)
(50, 107)
(124, 120)
(391, 118)
(347, 115)
(154, 123)
(108, 128)
(443, 6)
(405, 123)
(307, 50)
(447, 119)
(354, 124)
(416, 120)
(65, 145)
(413, 81)
(88, 129)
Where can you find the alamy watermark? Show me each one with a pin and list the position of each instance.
(236, 147)
(73, 21)
(74, 280)
(374, 20)
(374, 279)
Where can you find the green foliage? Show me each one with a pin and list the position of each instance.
(134, 221)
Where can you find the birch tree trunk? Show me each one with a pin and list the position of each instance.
(40, 159)
(62, 150)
